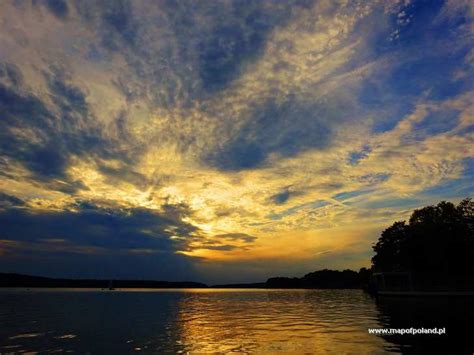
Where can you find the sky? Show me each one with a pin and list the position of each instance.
(226, 141)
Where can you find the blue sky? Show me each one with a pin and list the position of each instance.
(225, 140)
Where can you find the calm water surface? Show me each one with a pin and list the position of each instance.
(199, 320)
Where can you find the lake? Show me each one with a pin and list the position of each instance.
(225, 320)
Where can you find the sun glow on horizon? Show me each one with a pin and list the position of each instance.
(227, 136)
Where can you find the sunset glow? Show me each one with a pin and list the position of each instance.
(220, 140)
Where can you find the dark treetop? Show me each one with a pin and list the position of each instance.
(437, 239)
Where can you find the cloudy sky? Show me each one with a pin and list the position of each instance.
(225, 140)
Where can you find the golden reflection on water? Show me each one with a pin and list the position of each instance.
(278, 320)
(225, 320)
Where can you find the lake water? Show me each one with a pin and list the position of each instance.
(201, 320)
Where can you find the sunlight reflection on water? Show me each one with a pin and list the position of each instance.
(195, 320)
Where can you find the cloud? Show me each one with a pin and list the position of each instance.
(103, 229)
(58, 8)
(237, 39)
(7, 201)
(281, 197)
(196, 132)
(285, 129)
(95, 232)
(236, 237)
(90, 225)
(11, 74)
(31, 135)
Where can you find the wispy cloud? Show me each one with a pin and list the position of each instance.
(227, 132)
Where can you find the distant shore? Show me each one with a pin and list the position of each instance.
(323, 279)
(19, 280)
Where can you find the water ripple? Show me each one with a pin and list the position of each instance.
(191, 321)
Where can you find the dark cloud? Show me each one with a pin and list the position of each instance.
(188, 49)
(240, 154)
(21, 112)
(231, 44)
(281, 197)
(92, 230)
(54, 133)
(286, 128)
(48, 160)
(238, 38)
(7, 201)
(58, 8)
(356, 156)
(91, 226)
(68, 98)
(119, 20)
(171, 267)
(101, 230)
(171, 59)
(17, 108)
(10, 74)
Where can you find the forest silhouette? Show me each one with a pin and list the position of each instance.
(436, 239)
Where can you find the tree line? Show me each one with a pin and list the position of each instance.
(436, 239)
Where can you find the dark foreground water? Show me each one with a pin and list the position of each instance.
(197, 320)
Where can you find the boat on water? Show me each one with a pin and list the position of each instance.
(406, 283)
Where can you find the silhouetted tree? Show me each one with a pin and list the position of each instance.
(364, 276)
(319, 279)
(437, 239)
(389, 247)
